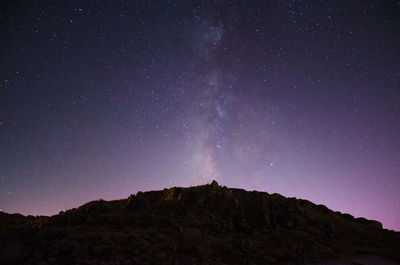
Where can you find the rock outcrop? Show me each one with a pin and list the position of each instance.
(206, 224)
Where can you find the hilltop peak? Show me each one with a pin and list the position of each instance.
(197, 225)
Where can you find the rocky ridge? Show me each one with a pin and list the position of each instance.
(206, 224)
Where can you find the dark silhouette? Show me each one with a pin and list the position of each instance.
(206, 224)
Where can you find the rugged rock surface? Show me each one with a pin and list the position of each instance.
(206, 224)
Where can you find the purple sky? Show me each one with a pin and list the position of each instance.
(103, 99)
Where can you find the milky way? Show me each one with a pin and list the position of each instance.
(101, 99)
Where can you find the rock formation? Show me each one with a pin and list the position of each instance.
(206, 224)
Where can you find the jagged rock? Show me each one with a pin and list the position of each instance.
(206, 224)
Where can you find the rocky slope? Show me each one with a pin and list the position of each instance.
(206, 224)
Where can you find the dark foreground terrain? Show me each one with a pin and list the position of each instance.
(206, 224)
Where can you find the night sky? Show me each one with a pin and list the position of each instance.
(101, 99)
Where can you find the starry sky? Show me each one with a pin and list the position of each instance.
(101, 99)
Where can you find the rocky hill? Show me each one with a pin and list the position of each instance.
(206, 224)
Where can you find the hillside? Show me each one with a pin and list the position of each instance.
(206, 224)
